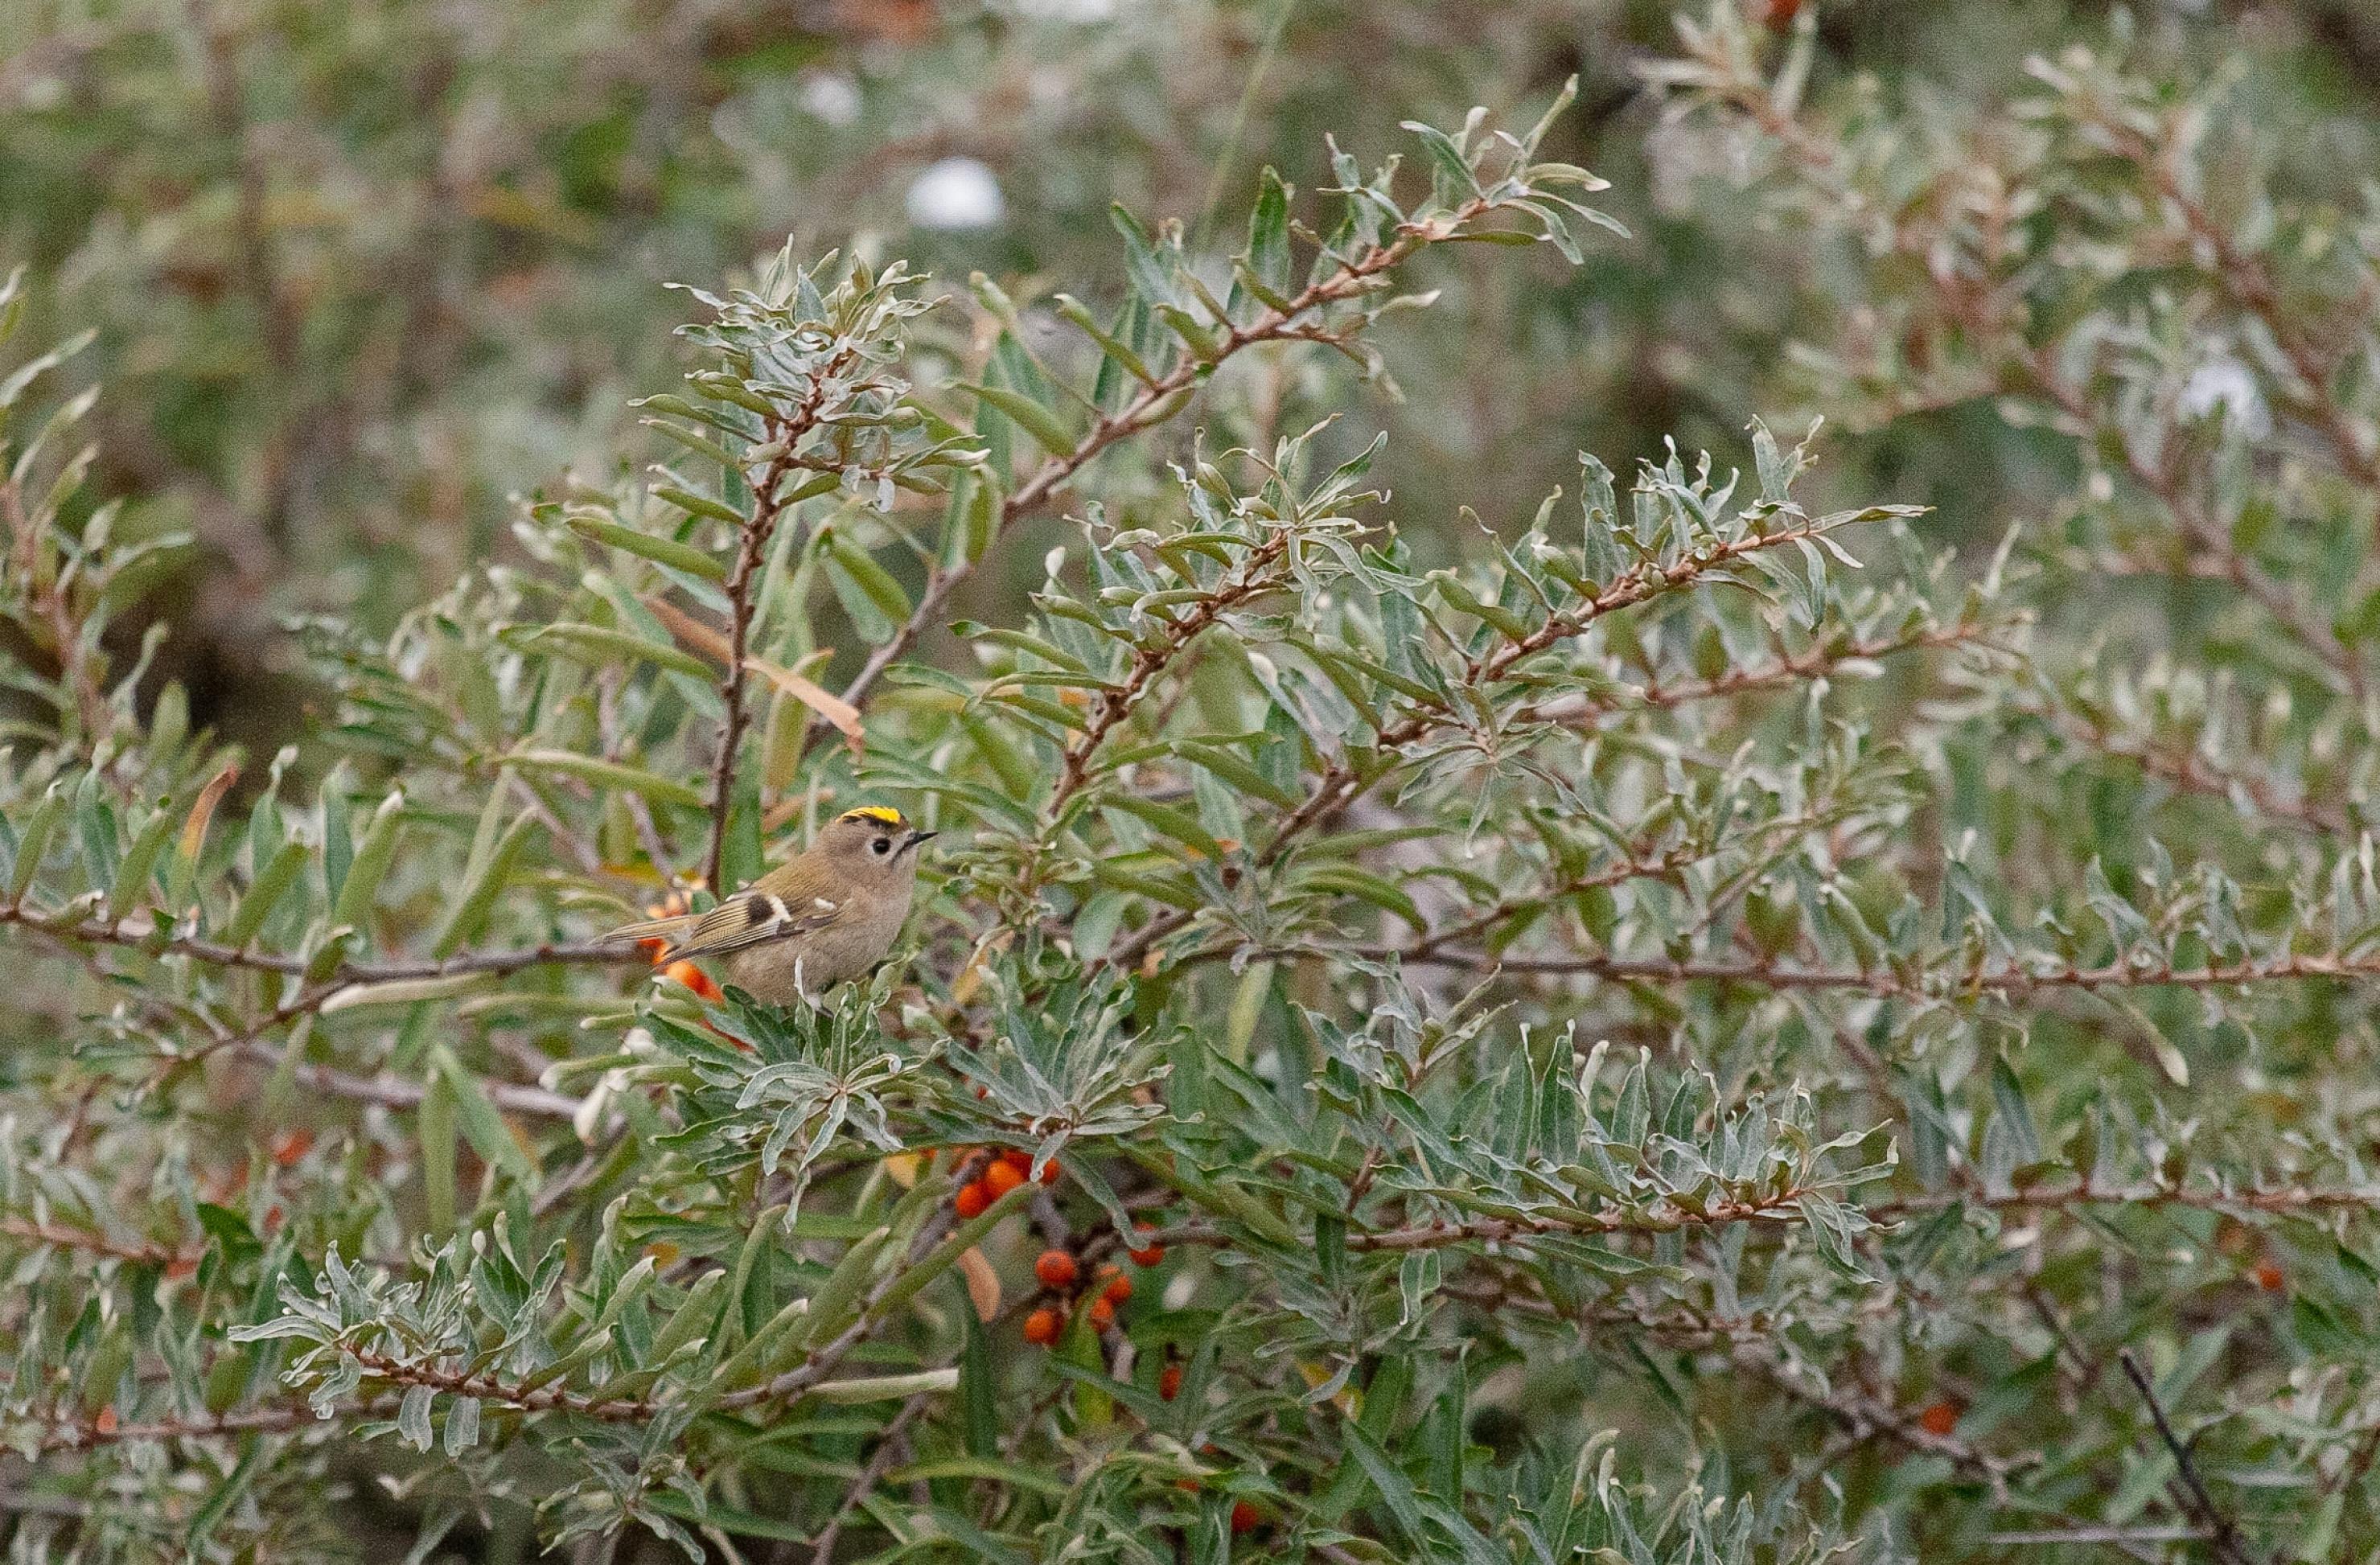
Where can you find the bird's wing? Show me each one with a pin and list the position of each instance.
(750, 918)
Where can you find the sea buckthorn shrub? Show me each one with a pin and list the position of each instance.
(1715, 1027)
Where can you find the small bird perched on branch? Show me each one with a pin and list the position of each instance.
(829, 914)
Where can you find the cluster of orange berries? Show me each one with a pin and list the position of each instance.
(1059, 1272)
(1006, 1169)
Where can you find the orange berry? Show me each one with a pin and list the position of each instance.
(1055, 1268)
(1169, 1382)
(1245, 1517)
(291, 1145)
(180, 1266)
(686, 972)
(1939, 1418)
(1050, 1171)
(1102, 1313)
(1017, 1157)
(1001, 1178)
(106, 1422)
(972, 1201)
(1150, 1254)
(1118, 1290)
(1042, 1326)
(2269, 1276)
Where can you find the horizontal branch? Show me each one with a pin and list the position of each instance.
(68, 1432)
(399, 1092)
(1765, 972)
(140, 934)
(141, 1251)
(2193, 773)
(1670, 1218)
(1584, 710)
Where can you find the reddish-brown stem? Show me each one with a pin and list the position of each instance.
(1155, 403)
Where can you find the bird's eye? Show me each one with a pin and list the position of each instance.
(884, 846)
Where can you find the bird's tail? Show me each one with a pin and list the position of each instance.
(669, 929)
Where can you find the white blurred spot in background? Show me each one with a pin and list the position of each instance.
(2225, 385)
(1066, 10)
(831, 97)
(955, 193)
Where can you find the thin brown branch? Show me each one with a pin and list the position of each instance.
(1934, 987)
(1156, 401)
(880, 1462)
(1782, 1209)
(140, 932)
(141, 1252)
(2038, 367)
(2229, 1545)
(73, 1432)
(1867, 1417)
(2254, 289)
(400, 1092)
(1585, 710)
(1970, 303)
(1247, 580)
(557, 1397)
(1343, 780)
(751, 549)
(2193, 773)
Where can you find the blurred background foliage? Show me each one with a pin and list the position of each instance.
(363, 274)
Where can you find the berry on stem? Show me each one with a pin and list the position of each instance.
(693, 977)
(972, 1201)
(1001, 1178)
(1939, 1419)
(1055, 1268)
(1042, 1326)
(1102, 1313)
(1245, 1517)
(1149, 1254)
(1169, 1382)
(1118, 1290)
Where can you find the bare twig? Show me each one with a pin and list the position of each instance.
(751, 549)
(888, 1448)
(1767, 973)
(2224, 1533)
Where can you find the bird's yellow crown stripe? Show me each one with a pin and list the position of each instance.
(884, 813)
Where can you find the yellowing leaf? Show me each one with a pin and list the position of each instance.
(824, 702)
(702, 637)
(194, 828)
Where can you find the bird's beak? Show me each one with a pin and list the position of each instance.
(917, 837)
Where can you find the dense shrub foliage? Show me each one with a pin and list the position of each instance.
(1682, 1023)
